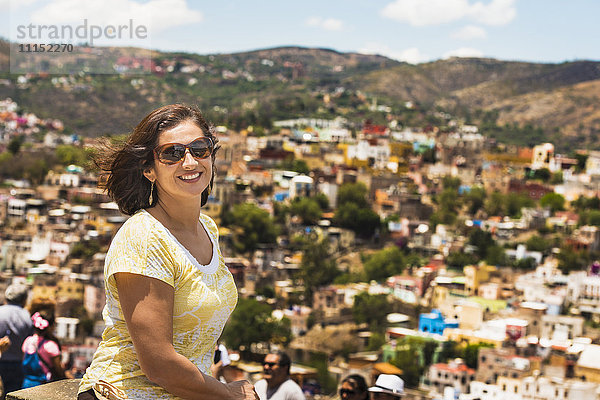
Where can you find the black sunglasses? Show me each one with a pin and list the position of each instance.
(172, 153)
(270, 364)
(347, 392)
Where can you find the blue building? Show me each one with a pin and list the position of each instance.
(434, 322)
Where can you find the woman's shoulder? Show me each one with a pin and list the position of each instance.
(210, 224)
(29, 344)
(139, 226)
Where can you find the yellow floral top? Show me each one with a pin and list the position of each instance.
(205, 296)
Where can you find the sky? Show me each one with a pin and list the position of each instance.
(415, 31)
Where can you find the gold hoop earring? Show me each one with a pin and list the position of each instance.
(151, 190)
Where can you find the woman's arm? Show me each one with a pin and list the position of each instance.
(147, 305)
(56, 368)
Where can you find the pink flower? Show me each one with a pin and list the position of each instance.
(39, 321)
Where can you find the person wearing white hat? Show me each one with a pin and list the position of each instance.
(387, 387)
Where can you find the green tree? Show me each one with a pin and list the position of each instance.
(355, 193)
(538, 243)
(475, 199)
(300, 166)
(495, 255)
(385, 263)
(459, 259)
(15, 144)
(252, 322)
(482, 240)
(587, 203)
(36, 171)
(494, 205)
(581, 161)
(254, 224)
(572, 260)
(590, 217)
(317, 268)
(542, 174)
(557, 178)
(554, 201)
(68, 154)
(322, 200)
(525, 264)
(363, 221)
(514, 202)
(471, 354)
(450, 182)
(85, 249)
(372, 309)
(307, 209)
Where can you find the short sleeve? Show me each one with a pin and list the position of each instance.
(140, 248)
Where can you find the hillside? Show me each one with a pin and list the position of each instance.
(257, 87)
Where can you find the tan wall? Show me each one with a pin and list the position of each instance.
(591, 374)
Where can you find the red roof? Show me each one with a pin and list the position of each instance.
(459, 368)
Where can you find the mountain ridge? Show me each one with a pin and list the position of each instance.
(266, 84)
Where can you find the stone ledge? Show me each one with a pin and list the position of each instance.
(59, 390)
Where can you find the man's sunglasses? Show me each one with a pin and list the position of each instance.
(269, 364)
(347, 392)
(172, 153)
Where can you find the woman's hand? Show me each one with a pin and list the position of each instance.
(242, 390)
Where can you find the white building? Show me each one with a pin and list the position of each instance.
(378, 155)
(584, 291)
(301, 185)
(532, 388)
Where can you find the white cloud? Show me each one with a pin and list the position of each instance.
(411, 55)
(158, 15)
(470, 32)
(464, 52)
(498, 12)
(436, 12)
(329, 24)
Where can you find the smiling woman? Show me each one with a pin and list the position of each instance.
(169, 292)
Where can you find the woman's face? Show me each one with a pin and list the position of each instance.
(349, 392)
(186, 179)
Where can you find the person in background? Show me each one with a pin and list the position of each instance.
(168, 290)
(42, 352)
(220, 361)
(354, 387)
(387, 387)
(15, 326)
(277, 384)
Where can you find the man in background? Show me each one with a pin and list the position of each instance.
(16, 325)
(277, 384)
(387, 387)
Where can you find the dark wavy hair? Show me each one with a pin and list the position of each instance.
(358, 383)
(47, 332)
(122, 166)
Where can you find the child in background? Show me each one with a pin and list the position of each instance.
(41, 352)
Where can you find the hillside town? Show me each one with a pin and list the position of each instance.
(468, 267)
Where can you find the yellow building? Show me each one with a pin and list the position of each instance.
(43, 293)
(475, 275)
(70, 291)
(588, 364)
(467, 336)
